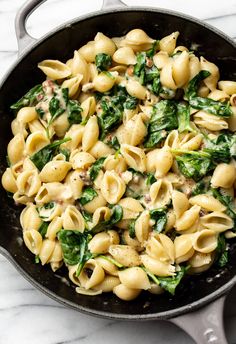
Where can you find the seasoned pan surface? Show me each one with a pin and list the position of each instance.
(196, 290)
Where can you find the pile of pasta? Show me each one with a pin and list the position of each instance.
(124, 161)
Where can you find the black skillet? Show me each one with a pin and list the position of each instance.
(185, 309)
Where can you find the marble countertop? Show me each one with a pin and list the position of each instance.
(26, 315)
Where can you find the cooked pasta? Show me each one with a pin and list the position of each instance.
(124, 161)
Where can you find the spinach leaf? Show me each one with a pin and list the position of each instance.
(130, 103)
(46, 210)
(167, 93)
(113, 142)
(116, 216)
(110, 117)
(222, 148)
(192, 88)
(183, 114)
(200, 188)
(152, 80)
(75, 247)
(149, 76)
(113, 104)
(65, 152)
(132, 228)
(150, 178)
(29, 99)
(170, 283)
(160, 218)
(74, 112)
(111, 260)
(214, 107)
(139, 68)
(87, 216)
(37, 259)
(95, 168)
(46, 154)
(227, 200)
(152, 139)
(103, 61)
(88, 195)
(43, 228)
(194, 165)
(151, 52)
(40, 111)
(55, 109)
(163, 118)
(222, 254)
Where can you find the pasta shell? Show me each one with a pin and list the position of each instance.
(125, 255)
(207, 202)
(112, 187)
(134, 157)
(72, 84)
(216, 221)
(54, 171)
(54, 69)
(72, 219)
(134, 278)
(168, 43)
(157, 267)
(125, 56)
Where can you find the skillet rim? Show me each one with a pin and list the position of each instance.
(109, 315)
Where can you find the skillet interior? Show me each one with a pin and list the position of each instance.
(60, 45)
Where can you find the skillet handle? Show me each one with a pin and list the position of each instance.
(206, 324)
(23, 38)
(112, 3)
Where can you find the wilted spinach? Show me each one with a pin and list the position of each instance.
(55, 108)
(116, 216)
(29, 99)
(214, 107)
(113, 104)
(160, 217)
(221, 149)
(132, 228)
(95, 168)
(103, 61)
(168, 283)
(163, 119)
(149, 76)
(228, 201)
(43, 228)
(200, 188)
(88, 195)
(222, 254)
(183, 114)
(46, 154)
(194, 164)
(74, 246)
(74, 112)
(192, 88)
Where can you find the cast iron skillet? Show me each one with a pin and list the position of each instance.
(205, 324)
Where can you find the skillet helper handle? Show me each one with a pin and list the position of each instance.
(23, 38)
(112, 3)
(205, 325)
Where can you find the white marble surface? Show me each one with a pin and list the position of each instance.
(26, 315)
